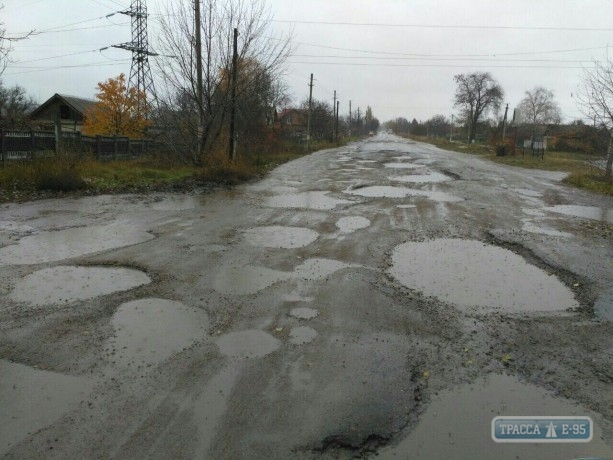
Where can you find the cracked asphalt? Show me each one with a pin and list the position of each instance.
(386, 299)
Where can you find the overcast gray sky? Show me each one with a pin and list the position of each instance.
(398, 56)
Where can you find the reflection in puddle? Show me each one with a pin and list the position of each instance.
(457, 423)
(388, 191)
(352, 223)
(308, 200)
(302, 334)
(250, 279)
(431, 177)
(247, 344)
(588, 212)
(304, 313)
(67, 284)
(72, 242)
(32, 399)
(147, 331)
(280, 237)
(471, 273)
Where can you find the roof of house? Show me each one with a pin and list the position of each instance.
(78, 104)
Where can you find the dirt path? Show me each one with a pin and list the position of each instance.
(385, 298)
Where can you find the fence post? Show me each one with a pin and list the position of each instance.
(115, 147)
(3, 147)
(31, 143)
(129, 148)
(98, 146)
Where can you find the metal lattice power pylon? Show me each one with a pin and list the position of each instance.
(140, 72)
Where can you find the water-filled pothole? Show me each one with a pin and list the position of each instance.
(280, 237)
(430, 177)
(388, 191)
(71, 242)
(399, 165)
(352, 223)
(471, 273)
(587, 212)
(31, 399)
(304, 313)
(308, 200)
(457, 424)
(302, 334)
(247, 344)
(176, 203)
(67, 284)
(147, 331)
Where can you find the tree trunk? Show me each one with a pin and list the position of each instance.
(609, 168)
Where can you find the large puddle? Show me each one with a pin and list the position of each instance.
(403, 165)
(247, 344)
(586, 212)
(301, 335)
(177, 203)
(430, 177)
(65, 284)
(72, 242)
(457, 424)
(304, 313)
(470, 273)
(250, 279)
(32, 399)
(147, 331)
(307, 200)
(280, 237)
(388, 191)
(352, 223)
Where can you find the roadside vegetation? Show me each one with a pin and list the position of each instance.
(582, 169)
(79, 175)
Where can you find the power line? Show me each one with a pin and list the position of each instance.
(437, 65)
(408, 58)
(92, 64)
(446, 26)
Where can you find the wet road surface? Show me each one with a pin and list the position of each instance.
(384, 299)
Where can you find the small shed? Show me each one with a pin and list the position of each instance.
(69, 109)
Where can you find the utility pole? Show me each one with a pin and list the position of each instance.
(309, 115)
(232, 145)
(199, 87)
(349, 118)
(504, 123)
(334, 113)
(338, 103)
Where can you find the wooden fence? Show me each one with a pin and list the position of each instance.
(27, 145)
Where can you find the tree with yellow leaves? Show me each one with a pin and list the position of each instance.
(119, 111)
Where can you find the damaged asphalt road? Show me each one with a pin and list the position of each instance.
(385, 299)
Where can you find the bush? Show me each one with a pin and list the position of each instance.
(59, 174)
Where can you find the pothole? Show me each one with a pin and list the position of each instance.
(304, 313)
(280, 237)
(65, 284)
(247, 344)
(72, 242)
(307, 200)
(457, 424)
(147, 331)
(176, 203)
(388, 191)
(352, 223)
(474, 274)
(31, 399)
(301, 335)
(399, 165)
(430, 177)
(586, 212)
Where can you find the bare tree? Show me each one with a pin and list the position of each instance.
(539, 109)
(595, 97)
(476, 95)
(179, 73)
(15, 104)
(6, 44)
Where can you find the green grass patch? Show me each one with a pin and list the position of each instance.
(581, 173)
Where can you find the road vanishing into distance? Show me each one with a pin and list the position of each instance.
(386, 299)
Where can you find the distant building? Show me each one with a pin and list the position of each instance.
(69, 110)
(293, 122)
